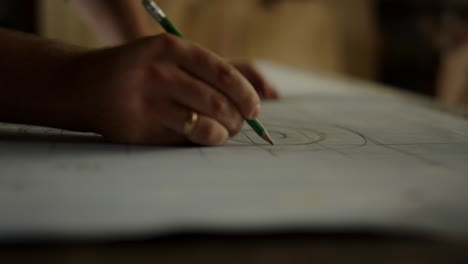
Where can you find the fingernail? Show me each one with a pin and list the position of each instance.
(256, 112)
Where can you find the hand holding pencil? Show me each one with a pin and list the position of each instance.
(147, 93)
(158, 14)
(157, 90)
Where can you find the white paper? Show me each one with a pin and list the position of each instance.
(344, 158)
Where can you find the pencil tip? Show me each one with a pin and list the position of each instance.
(267, 138)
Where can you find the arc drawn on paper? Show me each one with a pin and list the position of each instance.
(326, 135)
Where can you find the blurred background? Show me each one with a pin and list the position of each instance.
(415, 45)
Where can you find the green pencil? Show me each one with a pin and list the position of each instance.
(157, 13)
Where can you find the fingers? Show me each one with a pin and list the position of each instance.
(263, 87)
(205, 66)
(207, 131)
(198, 96)
(195, 78)
(203, 131)
(152, 105)
(213, 70)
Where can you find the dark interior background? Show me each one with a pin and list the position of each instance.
(413, 35)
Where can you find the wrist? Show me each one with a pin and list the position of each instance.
(76, 99)
(34, 81)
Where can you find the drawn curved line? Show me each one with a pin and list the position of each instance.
(306, 133)
(364, 137)
(351, 146)
(423, 159)
(284, 135)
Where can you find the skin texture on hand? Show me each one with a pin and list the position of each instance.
(261, 84)
(142, 93)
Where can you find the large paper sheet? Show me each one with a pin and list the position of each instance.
(345, 158)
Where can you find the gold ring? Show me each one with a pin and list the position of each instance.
(188, 126)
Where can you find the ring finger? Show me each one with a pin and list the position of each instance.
(198, 95)
(203, 130)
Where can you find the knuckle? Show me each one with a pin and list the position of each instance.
(226, 113)
(160, 74)
(226, 73)
(199, 54)
(195, 90)
(169, 42)
(219, 106)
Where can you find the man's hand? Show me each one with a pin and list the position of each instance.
(263, 87)
(145, 92)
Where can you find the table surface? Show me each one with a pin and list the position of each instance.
(252, 248)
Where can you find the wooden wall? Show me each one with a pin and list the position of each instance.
(334, 36)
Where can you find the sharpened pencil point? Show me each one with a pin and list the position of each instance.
(267, 138)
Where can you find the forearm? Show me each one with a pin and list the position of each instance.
(33, 81)
(116, 21)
